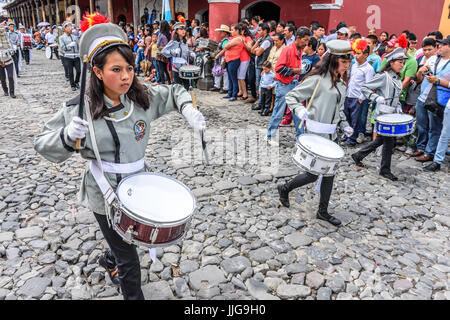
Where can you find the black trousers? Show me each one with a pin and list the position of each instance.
(70, 64)
(163, 72)
(66, 71)
(127, 260)
(10, 69)
(326, 187)
(266, 98)
(388, 144)
(16, 61)
(251, 78)
(26, 55)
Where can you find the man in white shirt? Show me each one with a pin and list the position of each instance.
(289, 32)
(361, 73)
(50, 40)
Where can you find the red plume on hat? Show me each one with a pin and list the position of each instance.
(359, 45)
(90, 20)
(181, 19)
(403, 42)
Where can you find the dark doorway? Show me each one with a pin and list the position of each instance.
(205, 16)
(265, 9)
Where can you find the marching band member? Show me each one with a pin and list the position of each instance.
(6, 64)
(119, 110)
(70, 48)
(26, 44)
(14, 39)
(327, 108)
(388, 88)
(178, 50)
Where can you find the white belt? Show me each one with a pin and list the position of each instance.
(179, 60)
(318, 127)
(125, 168)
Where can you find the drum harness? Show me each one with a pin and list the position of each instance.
(319, 127)
(99, 167)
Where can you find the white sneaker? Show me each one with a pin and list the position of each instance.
(360, 138)
(409, 151)
(379, 151)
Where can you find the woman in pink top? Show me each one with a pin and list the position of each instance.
(233, 50)
(245, 61)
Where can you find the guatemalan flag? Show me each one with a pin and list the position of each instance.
(167, 13)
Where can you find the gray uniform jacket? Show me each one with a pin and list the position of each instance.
(123, 142)
(178, 59)
(328, 104)
(69, 52)
(14, 38)
(387, 85)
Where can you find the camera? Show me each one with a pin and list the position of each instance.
(427, 73)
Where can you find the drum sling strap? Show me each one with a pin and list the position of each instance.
(98, 167)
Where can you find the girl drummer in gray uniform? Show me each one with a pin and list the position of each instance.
(385, 89)
(121, 110)
(327, 108)
(178, 50)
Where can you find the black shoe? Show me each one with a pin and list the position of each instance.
(284, 195)
(357, 161)
(389, 175)
(74, 88)
(113, 271)
(223, 91)
(77, 85)
(433, 167)
(265, 112)
(6, 94)
(256, 107)
(329, 218)
(12, 95)
(214, 89)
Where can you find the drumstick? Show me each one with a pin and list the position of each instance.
(310, 102)
(194, 103)
(81, 106)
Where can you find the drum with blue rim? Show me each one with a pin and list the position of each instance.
(395, 125)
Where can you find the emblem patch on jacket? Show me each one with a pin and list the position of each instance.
(140, 128)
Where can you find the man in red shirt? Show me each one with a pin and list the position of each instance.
(287, 69)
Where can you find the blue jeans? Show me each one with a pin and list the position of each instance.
(352, 111)
(363, 116)
(233, 84)
(442, 146)
(433, 134)
(279, 108)
(423, 126)
(139, 58)
(155, 65)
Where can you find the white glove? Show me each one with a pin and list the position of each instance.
(72, 44)
(194, 118)
(77, 129)
(399, 109)
(348, 131)
(176, 51)
(302, 114)
(380, 100)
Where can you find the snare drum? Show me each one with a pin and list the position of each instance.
(317, 155)
(153, 210)
(190, 72)
(394, 125)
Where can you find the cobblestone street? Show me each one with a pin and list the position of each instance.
(242, 244)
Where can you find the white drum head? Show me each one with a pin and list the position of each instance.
(156, 197)
(395, 118)
(48, 52)
(321, 146)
